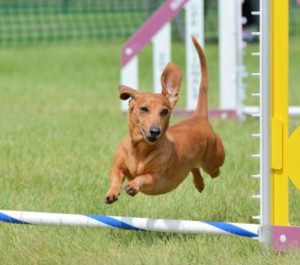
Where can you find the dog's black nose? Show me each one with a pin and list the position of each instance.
(154, 131)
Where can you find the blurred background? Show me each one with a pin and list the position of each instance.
(36, 21)
(71, 20)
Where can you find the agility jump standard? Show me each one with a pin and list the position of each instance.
(278, 157)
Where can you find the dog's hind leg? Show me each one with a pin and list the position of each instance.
(212, 171)
(215, 173)
(198, 179)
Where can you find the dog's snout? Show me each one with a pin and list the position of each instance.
(154, 131)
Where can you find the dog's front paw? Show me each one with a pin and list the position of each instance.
(110, 197)
(131, 189)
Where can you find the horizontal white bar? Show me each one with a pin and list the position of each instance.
(255, 114)
(130, 223)
(255, 196)
(293, 110)
(256, 176)
(255, 135)
(255, 13)
(255, 33)
(255, 74)
(255, 155)
(256, 217)
(250, 109)
(255, 53)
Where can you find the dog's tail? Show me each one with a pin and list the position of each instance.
(202, 108)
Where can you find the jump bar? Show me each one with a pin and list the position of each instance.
(130, 223)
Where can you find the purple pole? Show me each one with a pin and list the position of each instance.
(145, 33)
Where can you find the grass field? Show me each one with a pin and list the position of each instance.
(59, 126)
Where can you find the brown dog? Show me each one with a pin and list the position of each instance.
(155, 158)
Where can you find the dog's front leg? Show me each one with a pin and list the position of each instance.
(142, 182)
(117, 178)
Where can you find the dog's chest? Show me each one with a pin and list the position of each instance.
(135, 167)
(138, 165)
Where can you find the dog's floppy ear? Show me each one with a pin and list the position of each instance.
(171, 81)
(127, 92)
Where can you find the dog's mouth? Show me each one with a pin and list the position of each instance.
(149, 138)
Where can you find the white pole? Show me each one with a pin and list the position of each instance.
(194, 26)
(265, 167)
(241, 69)
(129, 77)
(161, 54)
(130, 223)
(228, 54)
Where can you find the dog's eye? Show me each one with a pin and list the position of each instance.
(144, 109)
(164, 112)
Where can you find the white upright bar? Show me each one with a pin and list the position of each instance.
(241, 69)
(129, 77)
(161, 54)
(228, 47)
(194, 25)
(265, 167)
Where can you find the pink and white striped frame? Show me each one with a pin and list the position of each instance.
(143, 36)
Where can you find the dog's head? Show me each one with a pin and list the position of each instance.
(149, 114)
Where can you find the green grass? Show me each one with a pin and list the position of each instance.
(59, 126)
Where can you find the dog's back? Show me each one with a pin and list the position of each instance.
(195, 136)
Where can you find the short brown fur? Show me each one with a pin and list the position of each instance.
(156, 158)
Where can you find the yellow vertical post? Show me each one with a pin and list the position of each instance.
(279, 43)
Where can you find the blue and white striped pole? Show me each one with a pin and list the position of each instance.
(129, 223)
